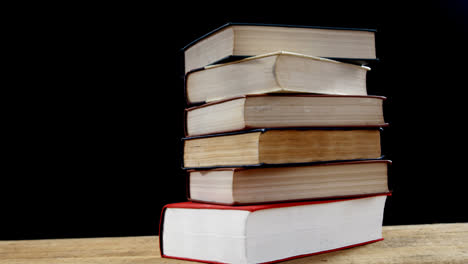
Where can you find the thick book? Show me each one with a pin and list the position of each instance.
(278, 146)
(284, 110)
(268, 233)
(240, 186)
(277, 72)
(244, 39)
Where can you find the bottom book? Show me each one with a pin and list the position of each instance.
(268, 233)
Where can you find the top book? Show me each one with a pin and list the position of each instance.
(240, 40)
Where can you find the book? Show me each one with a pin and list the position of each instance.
(236, 186)
(268, 233)
(277, 72)
(245, 39)
(284, 110)
(278, 146)
(282, 151)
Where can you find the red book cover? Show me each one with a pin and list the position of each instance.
(254, 208)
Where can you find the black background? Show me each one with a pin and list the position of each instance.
(94, 110)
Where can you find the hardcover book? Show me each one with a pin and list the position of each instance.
(284, 110)
(277, 72)
(244, 39)
(279, 146)
(283, 151)
(237, 186)
(268, 233)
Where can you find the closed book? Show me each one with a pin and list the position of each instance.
(277, 72)
(247, 39)
(284, 110)
(267, 184)
(268, 233)
(280, 146)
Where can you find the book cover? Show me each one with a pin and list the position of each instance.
(375, 183)
(274, 72)
(265, 220)
(362, 57)
(283, 110)
(368, 135)
(269, 25)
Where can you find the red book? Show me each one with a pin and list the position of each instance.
(268, 233)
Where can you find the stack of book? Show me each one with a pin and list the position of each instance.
(282, 146)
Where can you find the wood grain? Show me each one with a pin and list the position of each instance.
(437, 243)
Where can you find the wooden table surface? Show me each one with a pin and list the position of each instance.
(437, 243)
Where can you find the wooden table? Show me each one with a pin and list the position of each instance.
(437, 243)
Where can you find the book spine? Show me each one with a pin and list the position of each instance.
(161, 227)
(185, 77)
